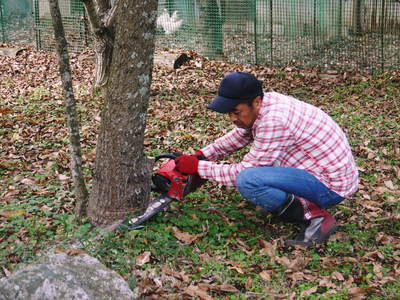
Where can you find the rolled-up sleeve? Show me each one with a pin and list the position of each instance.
(271, 138)
(234, 140)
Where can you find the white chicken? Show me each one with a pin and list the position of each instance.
(170, 24)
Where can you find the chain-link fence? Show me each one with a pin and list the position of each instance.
(75, 24)
(28, 22)
(337, 34)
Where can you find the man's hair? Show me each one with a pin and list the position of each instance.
(249, 102)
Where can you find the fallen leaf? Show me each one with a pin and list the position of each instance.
(248, 284)
(15, 137)
(308, 292)
(268, 248)
(327, 76)
(186, 237)
(383, 238)
(69, 251)
(6, 272)
(27, 181)
(5, 110)
(179, 275)
(389, 184)
(297, 264)
(62, 177)
(377, 270)
(265, 275)
(386, 280)
(326, 282)
(282, 260)
(143, 258)
(73, 252)
(225, 287)
(242, 245)
(195, 291)
(297, 276)
(338, 276)
(357, 293)
(235, 266)
(12, 213)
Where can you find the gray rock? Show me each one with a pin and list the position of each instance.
(60, 276)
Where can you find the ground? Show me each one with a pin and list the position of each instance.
(212, 245)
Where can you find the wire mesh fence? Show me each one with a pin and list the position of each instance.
(74, 20)
(28, 22)
(338, 34)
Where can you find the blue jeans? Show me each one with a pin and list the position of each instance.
(268, 187)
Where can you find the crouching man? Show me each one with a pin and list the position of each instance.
(299, 164)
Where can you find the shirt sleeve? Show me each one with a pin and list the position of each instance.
(234, 140)
(271, 139)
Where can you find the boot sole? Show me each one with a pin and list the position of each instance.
(313, 242)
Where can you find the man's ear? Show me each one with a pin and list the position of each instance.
(257, 102)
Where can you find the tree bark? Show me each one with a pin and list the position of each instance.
(81, 193)
(121, 181)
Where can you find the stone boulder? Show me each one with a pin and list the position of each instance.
(61, 276)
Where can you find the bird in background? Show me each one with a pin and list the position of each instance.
(170, 23)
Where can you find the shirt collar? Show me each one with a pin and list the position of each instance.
(260, 113)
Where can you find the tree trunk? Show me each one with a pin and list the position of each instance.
(81, 193)
(121, 181)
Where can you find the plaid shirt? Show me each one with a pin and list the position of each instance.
(291, 133)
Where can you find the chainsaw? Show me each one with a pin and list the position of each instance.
(172, 186)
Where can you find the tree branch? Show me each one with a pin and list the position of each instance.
(109, 18)
(94, 18)
(101, 14)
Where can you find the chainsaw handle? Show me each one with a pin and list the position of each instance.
(167, 155)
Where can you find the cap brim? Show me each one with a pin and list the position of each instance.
(223, 105)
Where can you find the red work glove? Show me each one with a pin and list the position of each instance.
(187, 164)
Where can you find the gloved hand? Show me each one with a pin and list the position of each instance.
(187, 164)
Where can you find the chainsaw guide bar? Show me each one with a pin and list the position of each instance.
(171, 184)
(154, 207)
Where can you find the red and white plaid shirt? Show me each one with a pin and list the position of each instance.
(291, 133)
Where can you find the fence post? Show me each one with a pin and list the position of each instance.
(271, 30)
(254, 6)
(357, 22)
(382, 33)
(315, 24)
(37, 24)
(340, 19)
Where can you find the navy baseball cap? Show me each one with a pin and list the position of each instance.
(235, 88)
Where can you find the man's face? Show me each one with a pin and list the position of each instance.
(244, 115)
